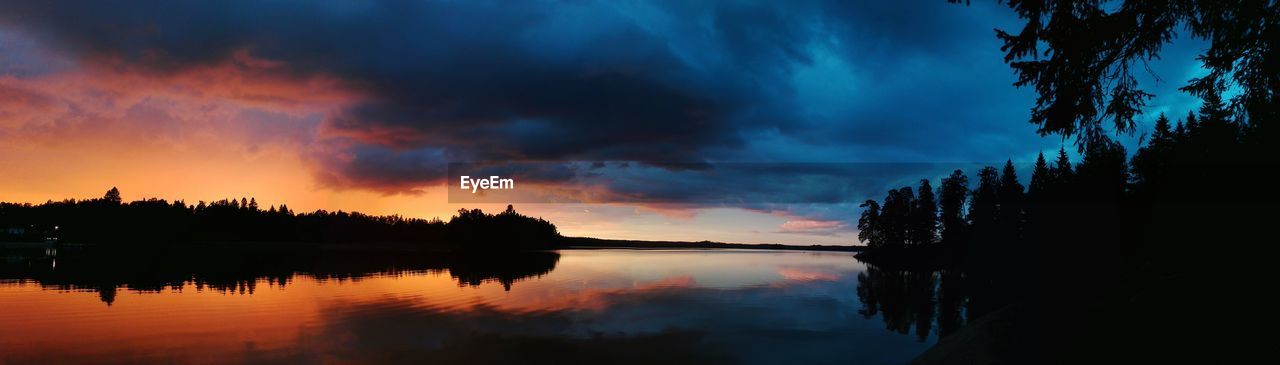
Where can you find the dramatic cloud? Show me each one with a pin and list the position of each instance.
(380, 95)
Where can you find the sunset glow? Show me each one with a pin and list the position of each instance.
(366, 119)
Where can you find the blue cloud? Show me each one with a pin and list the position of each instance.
(749, 81)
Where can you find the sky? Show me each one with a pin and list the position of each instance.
(362, 105)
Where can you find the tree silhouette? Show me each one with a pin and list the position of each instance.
(924, 216)
(984, 205)
(1010, 196)
(1177, 211)
(1162, 135)
(1216, 136)
(953, 195)
(1062, 170)
(1040, 178)
(1040, 202)
(1079, 57)
(159, 222)
(1102, 175)
(895, 217)
(1151, 163)
(869, 224)
(112, 196)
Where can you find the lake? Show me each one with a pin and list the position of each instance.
(584, 306)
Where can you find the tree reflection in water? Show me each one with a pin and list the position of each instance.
(239, 269)
(914, 301)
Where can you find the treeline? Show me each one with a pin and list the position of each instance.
(151, 221)
(1183, 189)
(1104, 257)
(999, 210)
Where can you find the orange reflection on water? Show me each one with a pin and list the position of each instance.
(312, 317)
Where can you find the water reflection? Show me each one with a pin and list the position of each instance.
(913, 301)
(239, 270)
(575, 306)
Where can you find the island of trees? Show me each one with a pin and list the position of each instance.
(110, 220)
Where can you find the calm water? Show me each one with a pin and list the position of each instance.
(641, 306)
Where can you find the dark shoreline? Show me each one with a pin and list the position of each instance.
(569, 243)
(599, 243)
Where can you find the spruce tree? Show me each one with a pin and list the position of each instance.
(953, 194)
(983, 209)
(1011, 202)
(1040, 177)
(924, 216)
(869, 224)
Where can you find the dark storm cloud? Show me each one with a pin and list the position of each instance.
(680, 81)
(377, 167)
(489, 80)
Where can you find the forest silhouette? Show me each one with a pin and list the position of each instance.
(1123, 232)
(109, 220)
(1116, 257)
